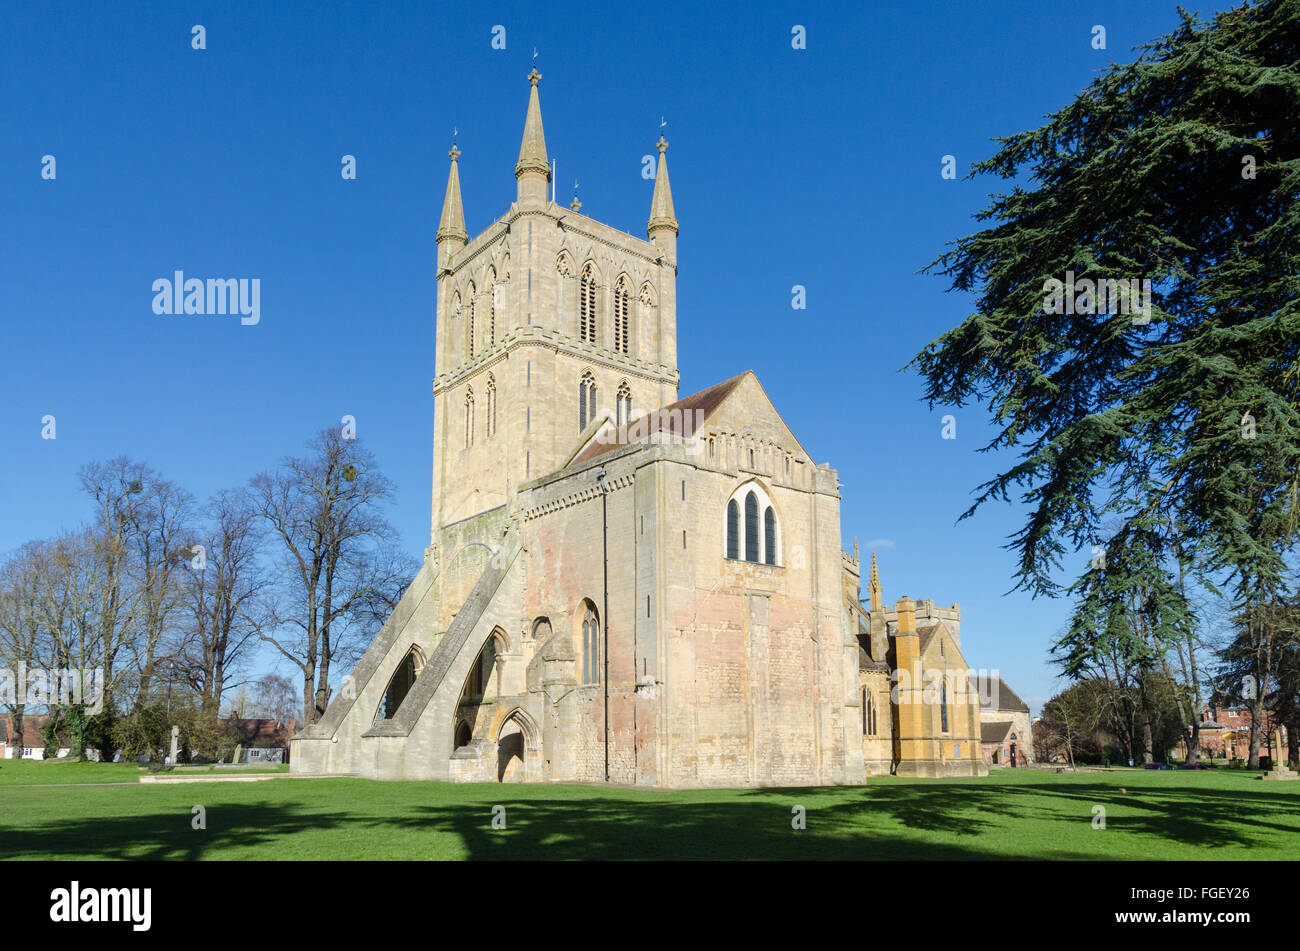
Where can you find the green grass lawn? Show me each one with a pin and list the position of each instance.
(1009, 815)
(26, 772)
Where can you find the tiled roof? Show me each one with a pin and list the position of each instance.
(686, 413)
(263, 733)
(1004, 697)
(994, 732)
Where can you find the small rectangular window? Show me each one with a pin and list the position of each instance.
(647, 605)
(642, 524)
(526, 465)
(683, 538)
(528, 420)
(683, 490)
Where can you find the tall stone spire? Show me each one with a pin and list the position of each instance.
(533, 170)
(874, 587)
(451, 229)
(662, 227)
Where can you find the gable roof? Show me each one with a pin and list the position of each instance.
(999, 696)
(683, 419)
(672, 419)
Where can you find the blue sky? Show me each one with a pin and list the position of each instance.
(818, 167)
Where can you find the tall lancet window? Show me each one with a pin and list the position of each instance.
(469, 325)
(624, 403)
(622, 306)
(733, 530)
(587, 304)
(751, 527)
(769, 536)
(586, 400)
(590, 645)
(492, 406)
(492, 310)
(469, 416)
(455, 318)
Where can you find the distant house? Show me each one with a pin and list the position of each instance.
(1225, 731)
(32, 744)
(265, 741)
(1006, 734)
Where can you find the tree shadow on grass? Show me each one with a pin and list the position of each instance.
(600, 828)
(618, 829)
(1199, 817)
(881, 821)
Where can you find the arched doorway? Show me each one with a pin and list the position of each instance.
(515, 747)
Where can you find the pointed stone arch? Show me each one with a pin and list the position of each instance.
(752, 531)
(587, 636)
(400, 683)
(518, 747)
(623, 325)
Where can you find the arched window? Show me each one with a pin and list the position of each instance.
(624, 403)
(586, 400)
(469, 416)
(463, 734)
(491, 405)
(492, 309)
(943, 707)
(590, 645)
(455, 314)
(622, 306)
(751, 527)
(400, 684)
(868, 713)
(587, 304)
(469, 325)
(756, 538)
(479, 680)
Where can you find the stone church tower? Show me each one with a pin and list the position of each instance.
(540, 297)
(622, 585)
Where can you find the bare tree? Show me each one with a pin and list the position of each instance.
(20, 627)
(278, 699)
(79, 584)
(148, 520)
(225, 606)
(339, 557)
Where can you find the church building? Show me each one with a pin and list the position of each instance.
(623, 585)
